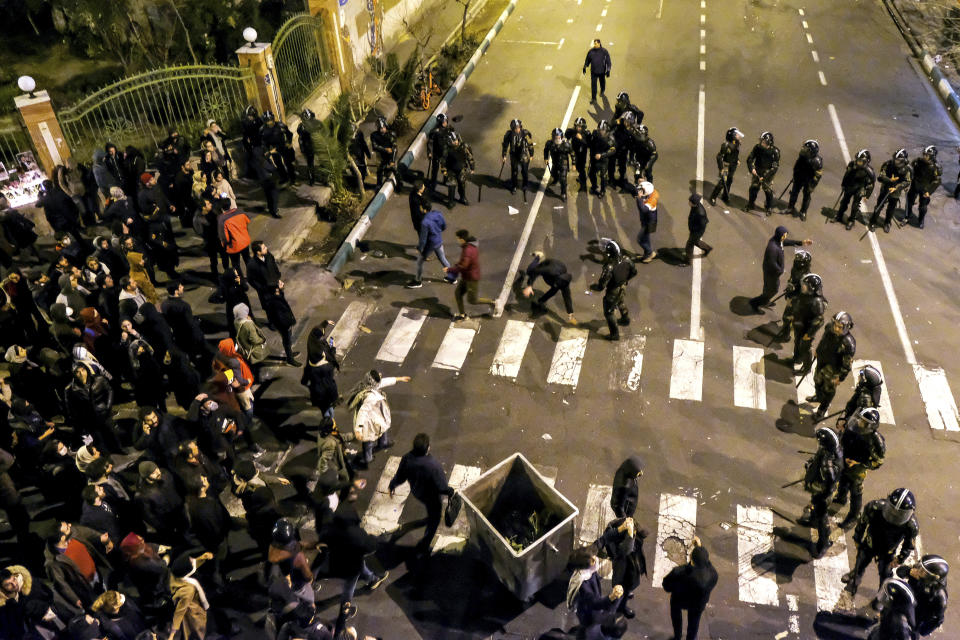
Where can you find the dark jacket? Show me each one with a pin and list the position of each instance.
(159, 502)
(773, 256)
(598, 59)
(101, 519)
(689, 585)
(425, 475)
(69, 585)
(553, 272)
(697, 221)
(469, 264)
(591, 604)
(431, 227)
(124, 625)
(60, 210)
(349, 543)
(209, 521)
(151, 198)
(623, 499)
(89, 404)
(419, 206)
(186, 331)
(263, 275)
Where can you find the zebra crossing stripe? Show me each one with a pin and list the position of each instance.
(625, 374)
(686, 377)
(937, 398)
(347, 329)
(886, 409)
(513, 344)
(595, 516)
(454, 348)
(402, 335)
(805, 387)
(568, 356)
(827, 572)
(755, 537)
(383, 513)
(749, 382)
(677, 518)
(453, 539)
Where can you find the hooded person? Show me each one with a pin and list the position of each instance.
(319, 371)
(626, 490)
(689, 586)
(229, 357)
(183, 377)
(584, 592)
(71, 293)
(234, 290)
(140, 275)
(147, 571)
(111, 257)
(154, 328)
(65, 330)
(371, 413)
(94, 330)
(251, 343)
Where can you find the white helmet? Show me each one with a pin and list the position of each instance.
(646, 188)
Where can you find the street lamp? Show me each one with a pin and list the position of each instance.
(27, 85)
(250, 35)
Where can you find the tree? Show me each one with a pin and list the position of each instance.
(463, 21)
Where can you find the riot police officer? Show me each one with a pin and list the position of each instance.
(618, 269)
(436, 145)
(359, 151)
(579, 138)
(806, 175)
(624, 138)
(883, 526)
(820, 477)
(728, 159)
(834, 358)
(898, 619)
(644, 155)
(863, 450)
(518, 144)
(308, 124)
(384, 143)
(277, 138)
(763, 162)
(457, 165)
(602, 149)
(927, 579)
(625, 106)
(801, 267)
(558, 151)
(866, 394)
(808, 318)
(926, 178)
(857, 183)
(250, 138)
(895, 176)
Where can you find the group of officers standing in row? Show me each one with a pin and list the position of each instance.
(897, 175)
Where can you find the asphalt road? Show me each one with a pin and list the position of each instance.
(773, 65)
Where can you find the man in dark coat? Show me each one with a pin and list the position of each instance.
(161, 506)
(349, 547)
(187, 334)
(689, 586)
(155, 437)
(61, 211)
(419, 205)
(598, 59)
(773, 266)
(555, 274)
(264, 275)
(427, 483)
(183, 198)
(623, 499)
(89, 400)
(258, 501)
(622, 542)
(71, 565)
(697, 226)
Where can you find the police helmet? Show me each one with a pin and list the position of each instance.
(870, 376)
(803, 258)
(623, 96)
(899, 506)
(268, 116)
(865, 421)
(895, 592)
(307, 114)
(610, 247)
(767, 137)
(643, 132)
(515, 123)
(935, 566)
(603, 126)
(453, 137)
(930, 152)
(441, 119)
(828, 439)
(863, 155)
(557, 132)
(629, 118)
(251, 111)
(901, 156)
(381, 123)
(580, 122)
(283, 532)
(844, 320)
(734, 134)
(812, 146)
(811, 283)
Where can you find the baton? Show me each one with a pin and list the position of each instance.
(783, 293)
(785, 189)
(832, 415)
(804, 377)
(790, 484)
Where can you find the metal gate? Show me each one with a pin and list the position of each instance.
(302, 60)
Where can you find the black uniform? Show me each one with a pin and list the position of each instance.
(792, 293)
(834, 359)
(458, 163)
(857, 184)
(863, 396)
(728, 159)
(806, 176)
(579, 139)
(278, 140)
(518, 146)
(895, 178)
(381, 141)
(305, 133)
(926, 179)
(558, 153)
(601, 143)
(436, 147)
(820, 478)
(616, 273)
(765, 161)
(861, 452)
(623, 106)
(807, 320)
(878, 538)
(644, 154)
(931, 598)
(250, 131)
(360, 152)
(555, 274)
(624, 138)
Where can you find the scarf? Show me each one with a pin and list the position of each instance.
(201, 595)
(576, 581)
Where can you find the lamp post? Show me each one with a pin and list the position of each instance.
(28, 85)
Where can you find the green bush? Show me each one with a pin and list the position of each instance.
(406, 81)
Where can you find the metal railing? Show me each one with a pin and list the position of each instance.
(14, 140)
(141, 110)
(301, 58)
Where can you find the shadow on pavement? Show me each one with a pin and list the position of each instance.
(740, 305)
(390, 249)
(791, 420)
(383, 278)
(835, 625)
(432, 306)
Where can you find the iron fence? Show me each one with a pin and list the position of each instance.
(14, 140)
(301, 57)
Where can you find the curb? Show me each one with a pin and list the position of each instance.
(934, 74)
(415, 149)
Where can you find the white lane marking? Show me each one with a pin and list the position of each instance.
(513, 344)
(755, 537)
(454, 348)
(599, 27)
(703, 49)
(549, 42)
(625, 374)
(809, 38)
(840, 137)
(801, 11)
(383, 513)
(453, 539)
(548, 67)
(937, 399)
(703, 65)
(886, 409)
(568, 357)
(823, 78)
(703, 4)
(804, 23)
(595, 515)
(806, 387)
(696, 275)
(603, 14)
(560, 44)
(569, 20)
(402, 335)
(677, 518)
(347, 329)
(531, 218)
(659, 10)
(686, 377)
(793, 622)
(749, 382)
(827, 572)
(703, 19)
(816, 56)
(703, 33)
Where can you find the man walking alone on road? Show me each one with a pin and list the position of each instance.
(697, 225)
(598, 59)
(468, 268)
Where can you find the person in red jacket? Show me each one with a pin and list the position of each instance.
(468, 268)
(232, 227)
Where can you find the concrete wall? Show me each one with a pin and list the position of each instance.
(357, 20)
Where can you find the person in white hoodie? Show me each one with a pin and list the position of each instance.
(371, 413)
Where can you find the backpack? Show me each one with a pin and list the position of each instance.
(199, 223)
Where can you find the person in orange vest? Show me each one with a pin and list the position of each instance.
(232, 228)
